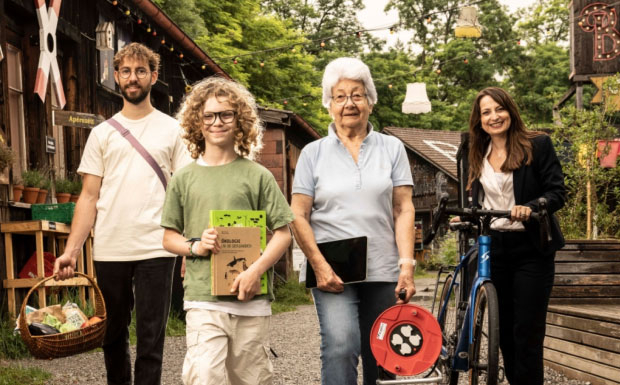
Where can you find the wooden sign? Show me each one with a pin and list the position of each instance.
(75, 119)
(595, 38)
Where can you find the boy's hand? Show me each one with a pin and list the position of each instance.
(247, 285)
(208, 242)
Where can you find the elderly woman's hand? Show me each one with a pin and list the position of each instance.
(327, 280)
(405, 282)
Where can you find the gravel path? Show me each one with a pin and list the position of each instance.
(294, 337)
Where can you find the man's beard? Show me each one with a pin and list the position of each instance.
(144, 92)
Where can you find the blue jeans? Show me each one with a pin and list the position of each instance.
(145, 285)
(345, 320)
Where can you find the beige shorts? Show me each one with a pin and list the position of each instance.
(226, 349)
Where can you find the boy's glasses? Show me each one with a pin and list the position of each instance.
(355, 98)
(125, 73)
(208, 118)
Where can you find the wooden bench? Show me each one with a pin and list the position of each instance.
(583, 322)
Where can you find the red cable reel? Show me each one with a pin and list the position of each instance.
(406, 340)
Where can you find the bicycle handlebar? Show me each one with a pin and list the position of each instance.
(442, 211)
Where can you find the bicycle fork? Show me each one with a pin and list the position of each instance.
(461, 356)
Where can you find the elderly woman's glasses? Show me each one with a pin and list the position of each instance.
(208, 118)
(355, 98)
(125, 73)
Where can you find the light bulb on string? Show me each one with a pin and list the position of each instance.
(465, 61)
(428, 19)
(490, 51)
(285, 102)
(181, 55)
(390, 86)
(235, 61)
(293, 50)
(154, 33)
(262, 63)
(438, 71)
(163, 41)
(148, 29)
(171, 48)
(127, 12)
(139, 21)
(358, 34)
(322, 44)
(115, 3)
(204, 66)
(391, 30)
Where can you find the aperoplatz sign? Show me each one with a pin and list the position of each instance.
(75, 119)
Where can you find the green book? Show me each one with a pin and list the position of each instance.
(244, 218)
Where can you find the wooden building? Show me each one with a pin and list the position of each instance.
(46, 119)
(431, 153)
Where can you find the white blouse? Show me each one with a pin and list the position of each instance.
(498, 195)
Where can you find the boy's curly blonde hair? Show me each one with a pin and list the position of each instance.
(249, 130)
(139, 52)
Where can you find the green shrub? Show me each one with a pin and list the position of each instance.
(76, 187)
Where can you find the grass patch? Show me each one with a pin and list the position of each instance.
(290, 294)
(13, 375)
(11, 344)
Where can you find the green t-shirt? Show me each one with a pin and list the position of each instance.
(195, 190)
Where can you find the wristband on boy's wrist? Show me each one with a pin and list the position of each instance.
(192, 252)
(406, 261)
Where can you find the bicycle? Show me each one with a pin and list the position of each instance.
(468, 310)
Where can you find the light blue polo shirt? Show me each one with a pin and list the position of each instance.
(353, 200)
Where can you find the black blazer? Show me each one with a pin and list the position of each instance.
(542, 178)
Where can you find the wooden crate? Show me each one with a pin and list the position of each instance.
(583, 322)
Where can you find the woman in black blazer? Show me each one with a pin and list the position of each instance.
(509, 169)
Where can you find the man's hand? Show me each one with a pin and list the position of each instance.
(64, 267)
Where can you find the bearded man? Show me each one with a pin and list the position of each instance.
(123, 196)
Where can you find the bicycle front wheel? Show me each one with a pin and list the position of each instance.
(484, 354)
(448, 322)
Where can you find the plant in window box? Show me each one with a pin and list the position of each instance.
(32, 181)
(76, 190)
(63, 190)
(18, 189)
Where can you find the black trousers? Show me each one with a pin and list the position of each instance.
(146, 284)
(523, 278)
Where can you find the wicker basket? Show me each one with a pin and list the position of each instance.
(69, 343)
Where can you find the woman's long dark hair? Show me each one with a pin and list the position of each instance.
(518, 144)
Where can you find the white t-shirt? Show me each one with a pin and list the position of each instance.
(132, 196)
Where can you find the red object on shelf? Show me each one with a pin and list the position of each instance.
(608, 158)
(30, 269)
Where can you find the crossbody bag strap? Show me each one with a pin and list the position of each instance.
(141, 150)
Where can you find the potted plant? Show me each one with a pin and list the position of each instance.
(18, 189)
(63, 190)
(32, 181)
(44, 187)
(76, 190)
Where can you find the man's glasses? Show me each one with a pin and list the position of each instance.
(208, 118)
(125, 73)
(355, 98)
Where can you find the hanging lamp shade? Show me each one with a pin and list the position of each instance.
(467, 23)
(416, 100)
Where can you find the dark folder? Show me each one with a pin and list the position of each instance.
(347, 257)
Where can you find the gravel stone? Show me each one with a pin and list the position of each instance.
(294, 336)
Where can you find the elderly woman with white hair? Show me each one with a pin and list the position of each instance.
(354, 182)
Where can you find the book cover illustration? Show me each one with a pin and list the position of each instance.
(244, 218)
(240, 247)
